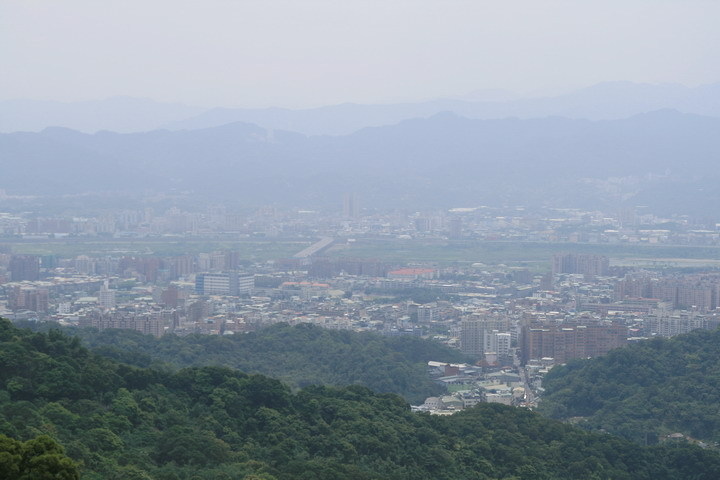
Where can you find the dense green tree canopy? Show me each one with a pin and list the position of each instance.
(645, 390)
(125, 422)
(40, 458)
(299, 355)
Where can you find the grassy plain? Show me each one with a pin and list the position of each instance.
(528, 254)
(254, 250)
(533, 255)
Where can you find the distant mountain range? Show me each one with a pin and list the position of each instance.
(603, 101)
(118, 114)
(612, 100)
(665, 159)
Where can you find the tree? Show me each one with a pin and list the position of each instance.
(38, 459)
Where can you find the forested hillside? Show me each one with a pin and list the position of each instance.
(37, 459)
(299, 356)
(645, 390)
(125, 422)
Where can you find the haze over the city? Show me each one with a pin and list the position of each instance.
(583, 104)
(359, 239)
(319, 52)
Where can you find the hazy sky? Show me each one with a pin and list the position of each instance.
(313, 52)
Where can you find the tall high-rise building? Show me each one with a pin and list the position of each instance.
(28, 298)
(351, 207)
(231, 283)
(106, 297)
(476, 334)
(84, 265)
(582, 263)
(497, 342)
(423, 224)
(472, 337)
(170, 297)
(565, 341)
(24, 267)
(455, 227)
(425, 313)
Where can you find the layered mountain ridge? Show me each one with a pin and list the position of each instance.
(662, 159)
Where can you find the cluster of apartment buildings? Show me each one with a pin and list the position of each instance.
(577, 305)
(517, 223)
(468, 385)
(488, 313)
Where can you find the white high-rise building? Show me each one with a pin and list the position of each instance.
(498, 343)
(106, 297)
(231, 283)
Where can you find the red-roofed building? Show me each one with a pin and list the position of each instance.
(413, 274)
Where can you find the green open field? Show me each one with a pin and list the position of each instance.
(535, 255)
(255, 250)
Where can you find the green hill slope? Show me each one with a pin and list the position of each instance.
(124, 422)
(300, 356)
(645, 390)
